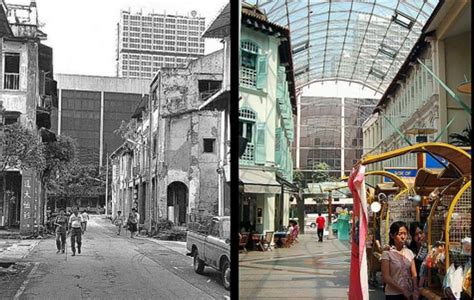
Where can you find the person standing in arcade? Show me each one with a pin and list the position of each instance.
(320, 221)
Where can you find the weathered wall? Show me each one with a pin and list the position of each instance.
(185, 128)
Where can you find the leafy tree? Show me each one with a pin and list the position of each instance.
(299, 178)
(60, 159)
(321, 173)
(20, 148)
(462, 139)
(81, 181)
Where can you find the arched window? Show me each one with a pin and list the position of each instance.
(253, 68)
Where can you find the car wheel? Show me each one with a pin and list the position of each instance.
(198, 263)
(225, 274)
(313, 225)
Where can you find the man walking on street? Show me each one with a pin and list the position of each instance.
(76, 231)
(137, 215)
(61, 229)
(85, 218)
(320, 221)
(118, 221)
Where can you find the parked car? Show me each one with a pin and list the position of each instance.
(211, 247)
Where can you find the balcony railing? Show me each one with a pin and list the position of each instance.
(11, 81)
(248, 77)
(249, 155)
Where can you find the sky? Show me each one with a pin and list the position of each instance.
(82, 33)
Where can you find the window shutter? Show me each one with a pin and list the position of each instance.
(260, 144)
(262, 72)
(278, 133)
(280, 93)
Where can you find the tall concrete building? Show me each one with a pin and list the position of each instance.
(148, 42)
(91, 108)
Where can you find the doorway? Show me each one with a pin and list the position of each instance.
(177, 202)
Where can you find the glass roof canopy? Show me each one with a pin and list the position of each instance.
(363, 41)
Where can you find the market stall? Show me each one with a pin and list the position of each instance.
(443, 200)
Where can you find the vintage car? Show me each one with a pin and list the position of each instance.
(211, 247)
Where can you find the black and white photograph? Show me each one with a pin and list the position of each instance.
(114, 157)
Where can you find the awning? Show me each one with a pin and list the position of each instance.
(47, 135)
(219, 101)
(427, 181)
(259, 182)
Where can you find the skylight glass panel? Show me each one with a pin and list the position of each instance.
(364, 40)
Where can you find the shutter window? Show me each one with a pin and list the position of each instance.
(262, 72)
(278, 133)
(280, 93)
(260, 144)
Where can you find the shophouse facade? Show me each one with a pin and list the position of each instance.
(415, 102)
(177, 168)
(266, 109)
(27, 95)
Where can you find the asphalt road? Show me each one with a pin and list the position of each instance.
(116, 267)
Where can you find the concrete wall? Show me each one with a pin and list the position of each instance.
(102, 83)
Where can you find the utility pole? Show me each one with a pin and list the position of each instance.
(107, 184)
(150, 156)
(330, 214)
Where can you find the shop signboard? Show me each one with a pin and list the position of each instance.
(400, 172)
(438, 162)
(27, 212)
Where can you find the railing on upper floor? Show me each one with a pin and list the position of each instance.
(11, 81)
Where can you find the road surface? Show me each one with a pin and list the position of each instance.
(116, 267)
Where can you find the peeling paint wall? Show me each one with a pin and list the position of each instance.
(184, 129)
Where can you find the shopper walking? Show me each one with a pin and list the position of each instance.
(85, 218)
(132, 224)
(61, 229)
(137, 215)
(398, 266)
(75, 221)
(320, 221)
(118, 221)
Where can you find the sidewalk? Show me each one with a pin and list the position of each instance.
(308, 270)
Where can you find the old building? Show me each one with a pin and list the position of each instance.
(266, 125)
(179, 170)
(416, 107)
(27, 95)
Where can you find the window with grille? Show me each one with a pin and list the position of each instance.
(248, 68)
(247, 119)
(11, 77)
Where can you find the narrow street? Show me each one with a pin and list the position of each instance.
(117, 267)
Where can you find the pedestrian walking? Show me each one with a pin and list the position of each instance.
(76, 231)
(132, 224)
(61, 229)
(320, 221)
(398, 265)
(85, 218)
(118, 221)
(137, 215)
